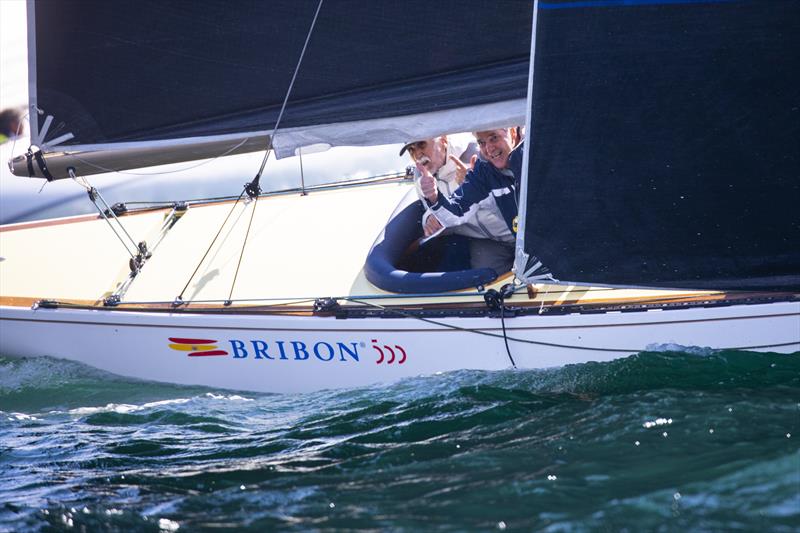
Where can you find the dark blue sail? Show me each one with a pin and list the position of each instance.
(134, 70)
(665, 143)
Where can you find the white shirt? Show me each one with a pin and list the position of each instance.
(487, 220)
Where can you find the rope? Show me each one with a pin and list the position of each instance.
(503, 323)
(488, 334)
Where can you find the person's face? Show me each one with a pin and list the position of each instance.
(495, 146)
(430, 153)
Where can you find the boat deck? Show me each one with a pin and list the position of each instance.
(298, 249)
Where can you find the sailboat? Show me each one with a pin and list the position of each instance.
(657, 202)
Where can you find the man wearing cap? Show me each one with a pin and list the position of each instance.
(447, 159)
(490, 187)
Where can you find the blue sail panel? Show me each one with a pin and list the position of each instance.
(664, 144)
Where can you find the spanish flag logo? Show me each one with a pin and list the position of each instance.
(196, 347)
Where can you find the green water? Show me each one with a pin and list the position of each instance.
(670, 441)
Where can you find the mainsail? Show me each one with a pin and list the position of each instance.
(144, 72)
(665, 144)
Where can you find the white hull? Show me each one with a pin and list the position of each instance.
(325, 352)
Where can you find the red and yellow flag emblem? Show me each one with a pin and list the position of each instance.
(196, 347)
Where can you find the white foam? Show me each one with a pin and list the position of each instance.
(674, 347)
(18, 416)
(108, 408)
(165, 524)
(231, 397)
(125, 407)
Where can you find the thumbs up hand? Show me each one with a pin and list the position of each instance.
(427, 184)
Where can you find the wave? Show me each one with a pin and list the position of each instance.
(669, 439)
(32, 384)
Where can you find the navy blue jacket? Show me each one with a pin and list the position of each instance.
(485, 187)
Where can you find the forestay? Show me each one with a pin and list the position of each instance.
(664, 144)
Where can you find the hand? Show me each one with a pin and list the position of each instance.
(427, 184)
(431, 225)
(461, 168)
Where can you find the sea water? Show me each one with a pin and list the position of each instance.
(659, 441)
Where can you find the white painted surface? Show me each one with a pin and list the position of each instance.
(136, 344)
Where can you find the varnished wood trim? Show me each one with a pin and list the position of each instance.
(27, 301)
(303, 309)
(96, 322)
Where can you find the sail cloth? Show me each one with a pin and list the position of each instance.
(147, 70)
(665, 143)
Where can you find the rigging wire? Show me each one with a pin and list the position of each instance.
(241, 253)
(115, 298)
(155, 204)
(286, 98)
(179, 298)
(253, 189)
(93, 195)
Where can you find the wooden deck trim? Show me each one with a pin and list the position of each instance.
(303, 309)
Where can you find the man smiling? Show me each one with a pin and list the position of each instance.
(448, 159)
(444, 157)
(492, 185)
